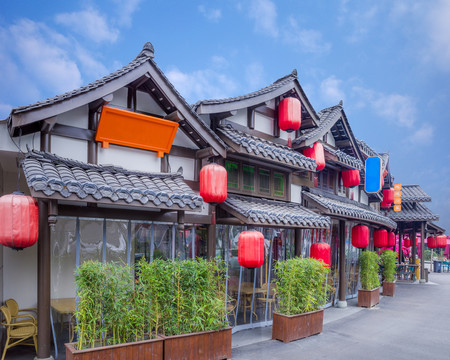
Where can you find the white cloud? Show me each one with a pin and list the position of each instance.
(305, 40)
(358, 19)
(423, 135)
(219, 62)
(331, 90)
(90, 24)
(264, 14)
(254, 75)
(125, 10)
(41, 56)
(439, 33)
(398, 109)
(201, 84)
(210, 14)
(91, 67)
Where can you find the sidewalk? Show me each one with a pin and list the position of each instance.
(415, 324)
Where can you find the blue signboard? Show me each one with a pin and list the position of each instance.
(373, 175)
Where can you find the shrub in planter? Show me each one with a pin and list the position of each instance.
(388, 258)
(369, 295)
(301, 289)
(163, 298)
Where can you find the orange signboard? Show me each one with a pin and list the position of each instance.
(397, 186)
(397, 208)
(127, 128)
(397, 194)
(397, 201)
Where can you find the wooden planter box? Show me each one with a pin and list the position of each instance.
(293, 327)
(368, 298)
(388, 288)
(139, 350)
(205, 345)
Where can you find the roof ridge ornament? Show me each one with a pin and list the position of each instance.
(147, 51)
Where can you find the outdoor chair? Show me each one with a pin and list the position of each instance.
(21, 333)
(16, 317)
(270, 298)
(231, 308)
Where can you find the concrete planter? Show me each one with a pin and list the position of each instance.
(293, 327)
(388, 288)
(368, 298)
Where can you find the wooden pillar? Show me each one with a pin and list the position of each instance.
(298, 242)
(422, 252)
(342, 284)
(211, 245)
(43, 313)
(414, 243)
(400, 242)
(92, 145)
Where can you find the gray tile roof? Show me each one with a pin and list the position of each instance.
(277, 84)
(267, 149)
(412, 212)
(270, 212)
(414, 193)
(328, 118)
(49, 175)
(366, 149)
(345, 159)
(336, 205)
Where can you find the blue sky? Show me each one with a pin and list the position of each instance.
(389, 61)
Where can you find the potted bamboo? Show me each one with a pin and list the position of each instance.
(160, 310)
(369, 294)
(388, 258)
(301, 289)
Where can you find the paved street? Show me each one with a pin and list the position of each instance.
(415, 324)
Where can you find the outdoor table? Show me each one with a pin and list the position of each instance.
(64, 306)
(247, 294)
(406, 271)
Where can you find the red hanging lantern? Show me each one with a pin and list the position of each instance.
(19, 221)
(431, 242)
(388, 196)
(441, 241)
(251, 249)
(321, 251)
(407, 242)
(289, 114)
(213, 183)
(316, 152)
(350, 178)
(360, 236)
(391, 239)
(380, 238)
(385, 205)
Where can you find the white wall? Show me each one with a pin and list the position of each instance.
(353, 193)
(120, 98)
(364, 198)
(7, 144)
(181, 139)
(129, 158)
(296, 193)
(240, 117)
(330, 139)
(78, 117)
(188, 166)
(145, 103)
(69, 148)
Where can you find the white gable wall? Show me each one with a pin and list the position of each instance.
(69, 148)
(129, 158)
(187, 164)
(364, 198)
(330, 139)
(77, 117)
(296, 193)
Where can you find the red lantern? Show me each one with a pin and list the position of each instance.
(321, 251)
(390, 239)
(316, 152)
(388, 196)
(407, 242)
(213, 183)
(350, 178)
(384, 205)
(380, 238)
(441, 241)
(431, 242)
(360, 236)
(19, 221)
(251, 249)
(289, 114)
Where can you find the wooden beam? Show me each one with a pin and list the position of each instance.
(95, 105)
(251, 118)
(73, 132)
(175, 116)
(276, 127)
(206, 153)
(342, 262)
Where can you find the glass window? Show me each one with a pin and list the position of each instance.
(141, 235)
(264, 181)
(91, 240)
(163, 241)
(248, 177)
(278, 184)
(116, 241)
(232, 174)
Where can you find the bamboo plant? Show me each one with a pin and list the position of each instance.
(301, 285)
(388, 259)
(369, 264)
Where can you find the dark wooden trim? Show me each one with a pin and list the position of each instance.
(165, 163)
(194, 185)
(342, 278)
(73, 132)
(422, 251)
(92, 145)
(251, 118)
(182, 151)
(45, 142)
(276, 127)
(43, 279)
(298, 242)
(175, 116)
